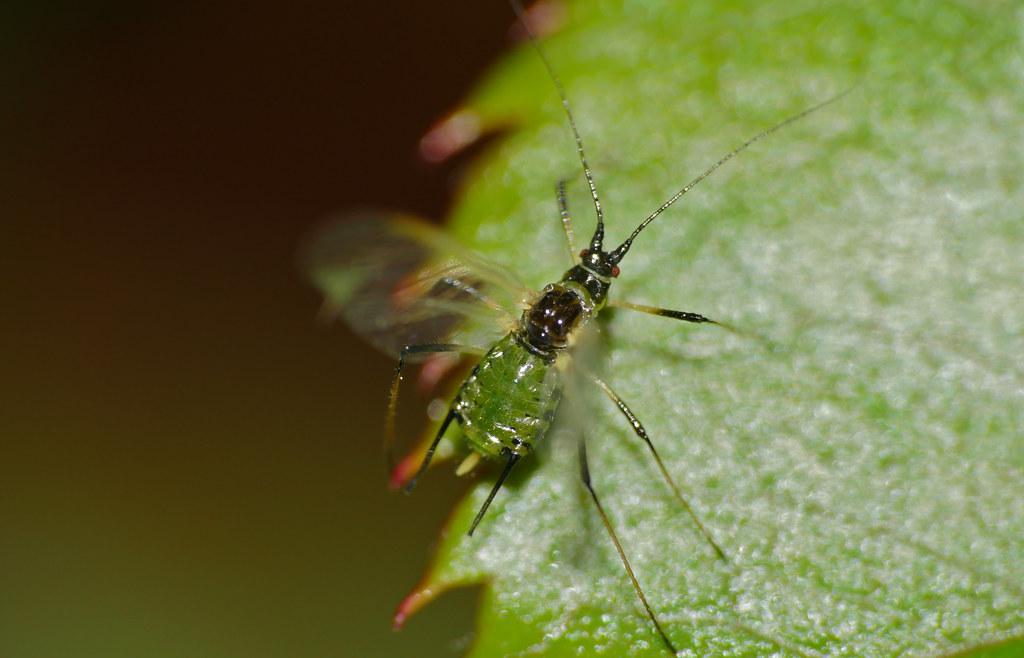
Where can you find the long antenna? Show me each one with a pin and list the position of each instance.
(595, 242)
(621, 250)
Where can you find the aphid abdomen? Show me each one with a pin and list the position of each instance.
(509, 400)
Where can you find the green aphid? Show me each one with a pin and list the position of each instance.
(413, 292)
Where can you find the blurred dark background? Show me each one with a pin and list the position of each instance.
(190, 465)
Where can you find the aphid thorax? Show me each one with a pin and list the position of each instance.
(550, 324)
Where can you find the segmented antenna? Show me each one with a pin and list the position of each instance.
(595, 242)
(620, 251)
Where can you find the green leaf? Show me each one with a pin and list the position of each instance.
(864, 468)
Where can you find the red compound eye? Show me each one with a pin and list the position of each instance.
(615, 270)
(584, 253)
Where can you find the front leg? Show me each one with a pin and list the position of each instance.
(688, 316)
(685, 316)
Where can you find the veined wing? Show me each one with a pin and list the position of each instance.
(398, 281)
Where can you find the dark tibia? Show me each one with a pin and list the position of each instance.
(685, 316)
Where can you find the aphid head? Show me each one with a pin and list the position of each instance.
(598, 262)
(597, 267)
(594, 273)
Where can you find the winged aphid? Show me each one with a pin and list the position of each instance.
(413, 292)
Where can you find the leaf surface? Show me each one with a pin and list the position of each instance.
(863, 466)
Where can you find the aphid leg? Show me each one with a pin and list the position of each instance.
(430, 451)
(563, 210)
(638, 428)
(585, 476)
(396, 379)
(512, 459)
(687, 316)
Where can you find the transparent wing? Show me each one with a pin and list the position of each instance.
(398, 281)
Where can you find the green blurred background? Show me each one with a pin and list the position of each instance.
(190, 465)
